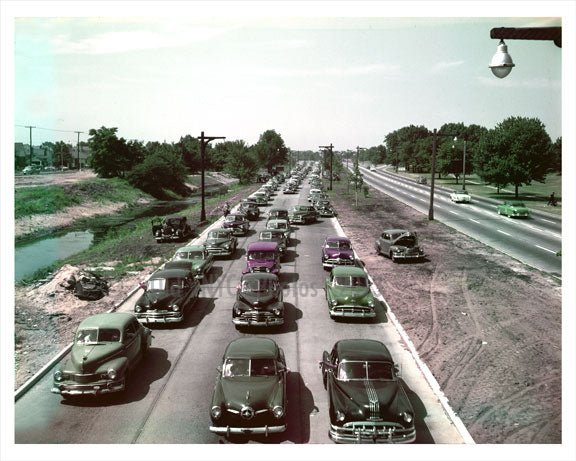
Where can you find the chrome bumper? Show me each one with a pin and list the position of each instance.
(227, 430)
(351, 311)
(88, 389)
(371, 434)
(144, 317)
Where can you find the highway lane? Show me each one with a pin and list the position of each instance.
(168, 396)
(534, 241)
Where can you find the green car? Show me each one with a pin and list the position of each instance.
(199, 259)
(514, 209)
(106, 348)
(348, 293)
(250, 393)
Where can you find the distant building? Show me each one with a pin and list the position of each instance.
(83, 156)
(44, 156)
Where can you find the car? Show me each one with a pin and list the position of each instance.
(337, 251)
(367, 399)
(221, 242)
(31, 169)
(259, 301)
(514, 209)
(372, 168)
(171, 228)
(314, 192)
(237, 222)
(275, 235)
(196, 257)
(250, 209)
(106, 348)
(250, 392)
(260, 197)
(290, 189)
(348, 293)
(168, 295)
(421, 180)
(277, 213)
(303, 214)
(399, 244)
(49, 168)
(280, 224)
(262, 257)
(460, 196)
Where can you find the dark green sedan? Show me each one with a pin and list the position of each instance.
(250, 392)
(348, 293)
(514, 209)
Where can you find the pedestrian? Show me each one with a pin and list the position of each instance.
(552, 200)
(226, 209)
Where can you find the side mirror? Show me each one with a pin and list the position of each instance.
(143, 285)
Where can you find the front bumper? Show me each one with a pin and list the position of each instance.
(258, 318)
(159, 317)
(101, 387)
(371, 432)
(408, 256)
(352, 311)
(219, 251)
(227, 430)
(337, 262)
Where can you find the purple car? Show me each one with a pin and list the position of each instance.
(337, 251)
(237, 222)
(262, 257)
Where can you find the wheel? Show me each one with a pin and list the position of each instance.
(392, 257)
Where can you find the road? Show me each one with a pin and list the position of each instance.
(167, 399)
(534, 241)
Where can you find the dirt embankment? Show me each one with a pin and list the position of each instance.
(487, 326)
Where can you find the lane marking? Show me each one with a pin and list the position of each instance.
(453, 212)
(547, 220)
(473, 220)
(546, 249)
(506, 233)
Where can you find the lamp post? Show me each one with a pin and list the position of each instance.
(463, 162)
(330, 149)
(501, 63)
(204, 140)
(433, 173)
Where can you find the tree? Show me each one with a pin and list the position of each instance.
(270, 150)
(401, 147)
(189, 149)
(110, 154)
(61, 155)
(162, 169)
(517, 151)
(356, 179)
(240, 161)
(556, 155)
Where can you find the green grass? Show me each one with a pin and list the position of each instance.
(51, 199)
(535, 196)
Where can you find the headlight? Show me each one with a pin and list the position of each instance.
(112, 373)
(276, 312)
(138, 308)
(175, 307)
(371, 303)
(407, 417)
(267, 269)
(227, 245)
(58, 376)
(199, 270)
(278, 411)
(216, 412)
(398, 250)
(334, 302)
(340, 416)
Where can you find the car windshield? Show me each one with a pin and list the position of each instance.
(357, 370)
(344, 245)
(197, 254)
(174, 222)
(97, 335)
(408, 241)
(249, 367)
(252, 255)
(232, 218)
(218, 235)
(347, 281)
(162, 284)
(258, 286)
(277, 225)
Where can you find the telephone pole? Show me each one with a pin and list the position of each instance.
(30, 142)
(204, 140)
(78, 147)
(330, 149)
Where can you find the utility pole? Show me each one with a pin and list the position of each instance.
(30, 142)
(78, 147)
(204, 140)
(330, 149)
(431, 209)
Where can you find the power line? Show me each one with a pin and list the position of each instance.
(50, 129)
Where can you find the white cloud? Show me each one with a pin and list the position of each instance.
(442, 66)
(376, 69)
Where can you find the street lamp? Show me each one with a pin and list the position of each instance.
(433, 173)
(501, 63)
(204, 140)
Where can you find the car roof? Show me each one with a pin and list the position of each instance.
(251, 347)
(191, 248)
(170, 274)
(277, 220)
(362, 349)
(107, 320)
(340, 271)
(262, 246)
(222, 229)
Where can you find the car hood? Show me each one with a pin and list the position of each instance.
(248, 391)
(258, 299)
(383, 397)
(406, 240)
(343, 253)
(354, 294)
(87, 358)
(161, 299)
(216, 242)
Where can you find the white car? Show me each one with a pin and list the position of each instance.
(460, 196)
(372, 168)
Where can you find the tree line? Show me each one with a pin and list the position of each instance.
(155, 167)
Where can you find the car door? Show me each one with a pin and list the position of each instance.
(132, 342)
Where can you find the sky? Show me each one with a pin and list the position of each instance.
(348, 78)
